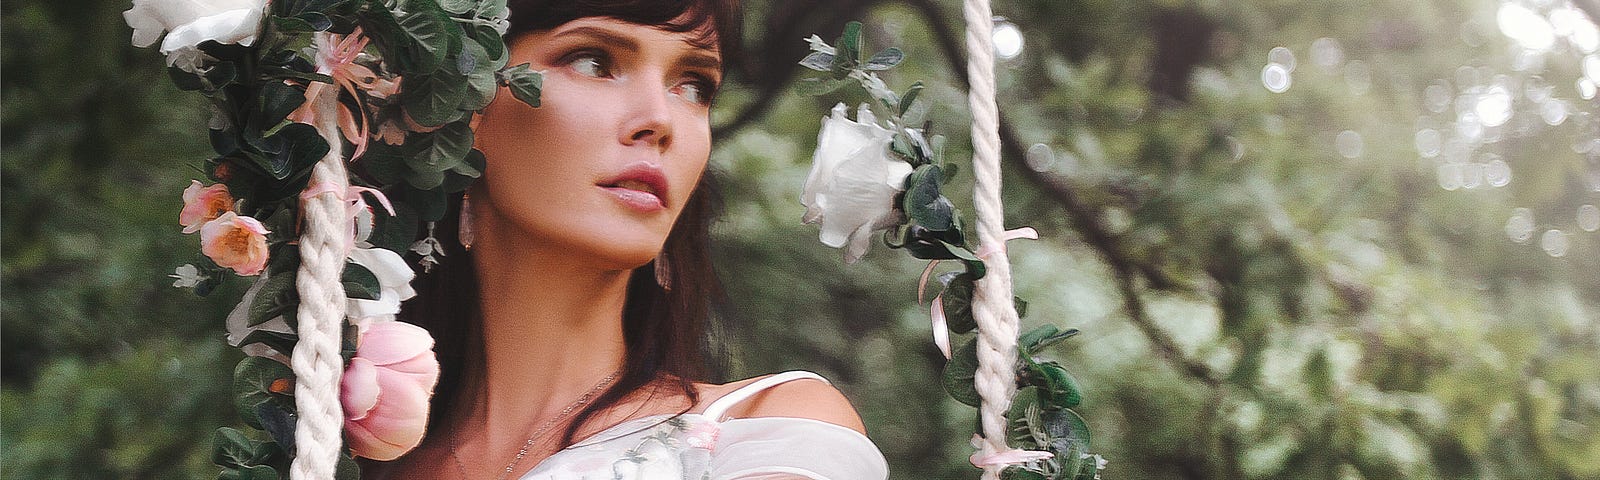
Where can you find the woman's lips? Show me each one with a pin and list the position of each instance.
(641, 186)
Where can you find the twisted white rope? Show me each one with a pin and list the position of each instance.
(992, 305)
(323, 247)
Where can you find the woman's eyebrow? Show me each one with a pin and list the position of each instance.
(700, 60)
(606, 36)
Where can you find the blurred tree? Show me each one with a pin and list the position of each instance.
(1362, 255)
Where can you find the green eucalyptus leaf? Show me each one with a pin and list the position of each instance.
(817, 86)
(819, 61)
(257, 472)
(525, 84)
(974, 264)
(441, 149)
(910, 96)
(885, 59)
(395, 232)
(1043, 336)
(295, 147)
(457, 6)
(282, 342)
(231, 448)
(466, 61)
(425, 179)
(901, 146)
(481, 89)
(254, 382)
(959, 373)
(279, 424)
(384, 163)
(1068, 437)
(428, 32)
(1057, 387)
(433, 100)
(849, 47)
(465, 172)
(184, 80)
(359, 282)
(923, 202)
(347, 468)
(430, 203)
(317, 20)
(277, 296)
(222, 74)
(490, 40)
(277, 101)
(957, 301)
(1019, 473)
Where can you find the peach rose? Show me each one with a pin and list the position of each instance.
(203, 203)
(385, 390)
(235, 242)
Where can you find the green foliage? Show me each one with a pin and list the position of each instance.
(1360, 320)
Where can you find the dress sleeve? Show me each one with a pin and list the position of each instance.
(766, 448)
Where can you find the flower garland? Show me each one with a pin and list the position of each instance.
(407, 75)
(869, 176)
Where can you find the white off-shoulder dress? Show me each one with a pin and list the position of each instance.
(705, 446)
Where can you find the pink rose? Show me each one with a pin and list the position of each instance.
(235, 242)
(385, 390)
(203, 203)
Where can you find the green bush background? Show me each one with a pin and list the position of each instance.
(1254, 303)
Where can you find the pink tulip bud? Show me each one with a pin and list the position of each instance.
(385, 390)
(235, 242)
(203, 203)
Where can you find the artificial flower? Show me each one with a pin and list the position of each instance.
(336, 58)
(203, 203)
(853, 181)
(385, 390)
(188, 23)
(187, 276)
(394, 284)
(239, 325)
(236, 242)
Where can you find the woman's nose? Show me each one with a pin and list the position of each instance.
(649, 117)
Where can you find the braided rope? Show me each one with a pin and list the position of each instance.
(993, 309)
(316, 362)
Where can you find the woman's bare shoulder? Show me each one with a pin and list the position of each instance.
(807, 398)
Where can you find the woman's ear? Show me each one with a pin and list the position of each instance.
(476, 118)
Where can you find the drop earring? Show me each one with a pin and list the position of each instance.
(465, 234)
(663, 272)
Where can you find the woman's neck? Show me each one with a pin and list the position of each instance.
(552, 329)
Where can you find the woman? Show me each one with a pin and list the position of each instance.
(570, 335)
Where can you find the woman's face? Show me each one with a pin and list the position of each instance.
(607, 162)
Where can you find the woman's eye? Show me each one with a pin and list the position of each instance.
(591, 64)
(696, 91)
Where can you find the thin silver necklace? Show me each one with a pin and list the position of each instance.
(523, 452)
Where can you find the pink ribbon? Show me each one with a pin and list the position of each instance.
(1009, 457)
(352, 196)
(941, 330)
(338, 61)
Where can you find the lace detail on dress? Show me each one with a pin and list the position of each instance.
(699, 447)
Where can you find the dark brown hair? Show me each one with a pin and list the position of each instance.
(665, 332)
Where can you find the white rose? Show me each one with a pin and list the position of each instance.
(853, 181)
(394, 284)
(190, 22)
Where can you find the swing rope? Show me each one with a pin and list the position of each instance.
(324, 245)
(993, 308)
